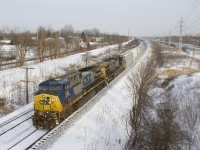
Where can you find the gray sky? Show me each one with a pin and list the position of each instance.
(142, 17)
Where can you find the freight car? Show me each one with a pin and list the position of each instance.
(57, 98)
(127, 58)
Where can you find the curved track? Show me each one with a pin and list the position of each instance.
(16, 117)
(18, 132)
(15, 121)
(46, 141)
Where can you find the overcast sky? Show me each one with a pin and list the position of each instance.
(141, 17)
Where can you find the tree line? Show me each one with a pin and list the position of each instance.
(47, 42)
(151, 125)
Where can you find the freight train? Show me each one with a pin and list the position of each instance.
(57, 98)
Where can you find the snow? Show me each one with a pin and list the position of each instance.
(185, 92)
(102, 127)
(7, 48)
(12, 87)
(105, 125)
(16, 113)
(189, 104)
(5, 41)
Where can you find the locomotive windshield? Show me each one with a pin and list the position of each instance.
(43, 88)
(55, 88)
(50, 88)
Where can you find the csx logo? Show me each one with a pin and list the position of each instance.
(87, 79)
(45, 102)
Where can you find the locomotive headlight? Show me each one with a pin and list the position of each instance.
(43, 96)
(54, 99)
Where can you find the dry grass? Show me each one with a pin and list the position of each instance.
(172, 73)
(168, 48)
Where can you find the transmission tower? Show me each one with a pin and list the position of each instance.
(128, 33)
(181, 34)
(169, 38)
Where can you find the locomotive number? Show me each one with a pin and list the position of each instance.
(45, 102)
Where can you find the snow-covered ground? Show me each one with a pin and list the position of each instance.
(187, 91)
(104, 126)
(186, 94)
(184, 90)
(105, 123)
(104, 109)
(12, 87)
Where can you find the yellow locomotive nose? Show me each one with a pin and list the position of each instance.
(46, 102)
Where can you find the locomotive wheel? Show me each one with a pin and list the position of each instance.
(50, 124)
(97, 90)
(53, 124)
(61, 120)
(68, 111)
(75, 106)
(71, 109)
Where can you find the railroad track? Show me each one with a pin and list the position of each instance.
(22, 139)
(47, 140)
(30, 139)
(21, 135)
(15, 121)
(16, 117)
(18, 132)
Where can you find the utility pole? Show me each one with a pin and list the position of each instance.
(169, 37)
(159, 39)
(180, 35)
(128, 33)
(41, 46)
(27, 81)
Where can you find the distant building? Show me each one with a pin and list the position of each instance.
(5, 42)
(191, 49)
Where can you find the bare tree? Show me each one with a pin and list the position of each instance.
(67, 33)
(96, 32)
(5, 107)
(161, 131)
(49, 45)
(152, 127)
(86, 57)
(157, 55)
(139, 82)
(1, 37)
(41, 43)
(1, 56)
(56, 52)
(22, 40)
(119, 48)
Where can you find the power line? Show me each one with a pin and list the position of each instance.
(195, 21)
(186, 14)
(192, 9)
(180, 24)
(195, 18)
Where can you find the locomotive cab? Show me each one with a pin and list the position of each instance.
(51, 99)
